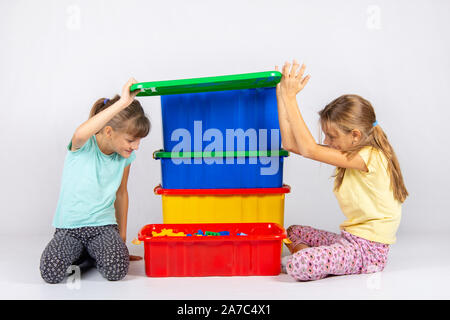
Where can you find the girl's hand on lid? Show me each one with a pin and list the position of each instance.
(127, 97)
(292, 81)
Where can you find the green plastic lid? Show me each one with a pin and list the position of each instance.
(220, 154)
(220, 83)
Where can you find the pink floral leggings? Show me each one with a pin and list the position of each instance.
(333, 254)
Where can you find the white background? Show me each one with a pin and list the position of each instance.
(58, 57)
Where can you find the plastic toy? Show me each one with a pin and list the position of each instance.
(168, 232)
(210, 233)
(136, 241)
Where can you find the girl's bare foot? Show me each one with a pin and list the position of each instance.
(293, 249)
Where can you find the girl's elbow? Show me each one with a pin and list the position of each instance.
(79, 136)
(122, 192)
(309, 152)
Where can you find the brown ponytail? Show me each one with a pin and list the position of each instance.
(131, 120)
(350, 112)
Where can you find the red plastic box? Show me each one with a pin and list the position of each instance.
(258, 253)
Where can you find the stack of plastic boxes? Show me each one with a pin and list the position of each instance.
(222, 160)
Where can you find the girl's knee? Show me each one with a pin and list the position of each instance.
(58, 255)
(298, 229)
(114, 272)
(114, 266)
(291, 228)
(298, 234)
(52, 271)
(52, 278)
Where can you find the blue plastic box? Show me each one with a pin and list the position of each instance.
(223, 172)
(195, 120)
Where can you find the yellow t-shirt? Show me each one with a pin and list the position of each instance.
(367, 200)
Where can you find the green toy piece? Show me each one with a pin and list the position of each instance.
(210, 233)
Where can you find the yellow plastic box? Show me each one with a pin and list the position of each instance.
(223, 205)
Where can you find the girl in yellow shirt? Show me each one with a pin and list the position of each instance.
(368, 183)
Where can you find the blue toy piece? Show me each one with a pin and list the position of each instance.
(199, 233)
(210, 233)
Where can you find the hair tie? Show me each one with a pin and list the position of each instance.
(375, 123)
(105, 101)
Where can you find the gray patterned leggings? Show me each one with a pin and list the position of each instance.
(68, 246)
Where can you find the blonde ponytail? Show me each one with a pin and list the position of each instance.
(380, 141)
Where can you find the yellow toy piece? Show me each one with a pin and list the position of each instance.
(168, 232)
(135, 241)
(287, 241)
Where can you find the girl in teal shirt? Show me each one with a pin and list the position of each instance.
(91, 214)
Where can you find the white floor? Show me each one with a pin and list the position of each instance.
(418, 268)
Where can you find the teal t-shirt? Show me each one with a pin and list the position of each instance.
(89, 184)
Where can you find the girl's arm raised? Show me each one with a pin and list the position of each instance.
(287, 137)
(97, 122)
(291, 84)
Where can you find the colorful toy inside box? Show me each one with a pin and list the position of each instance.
(257, 253)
